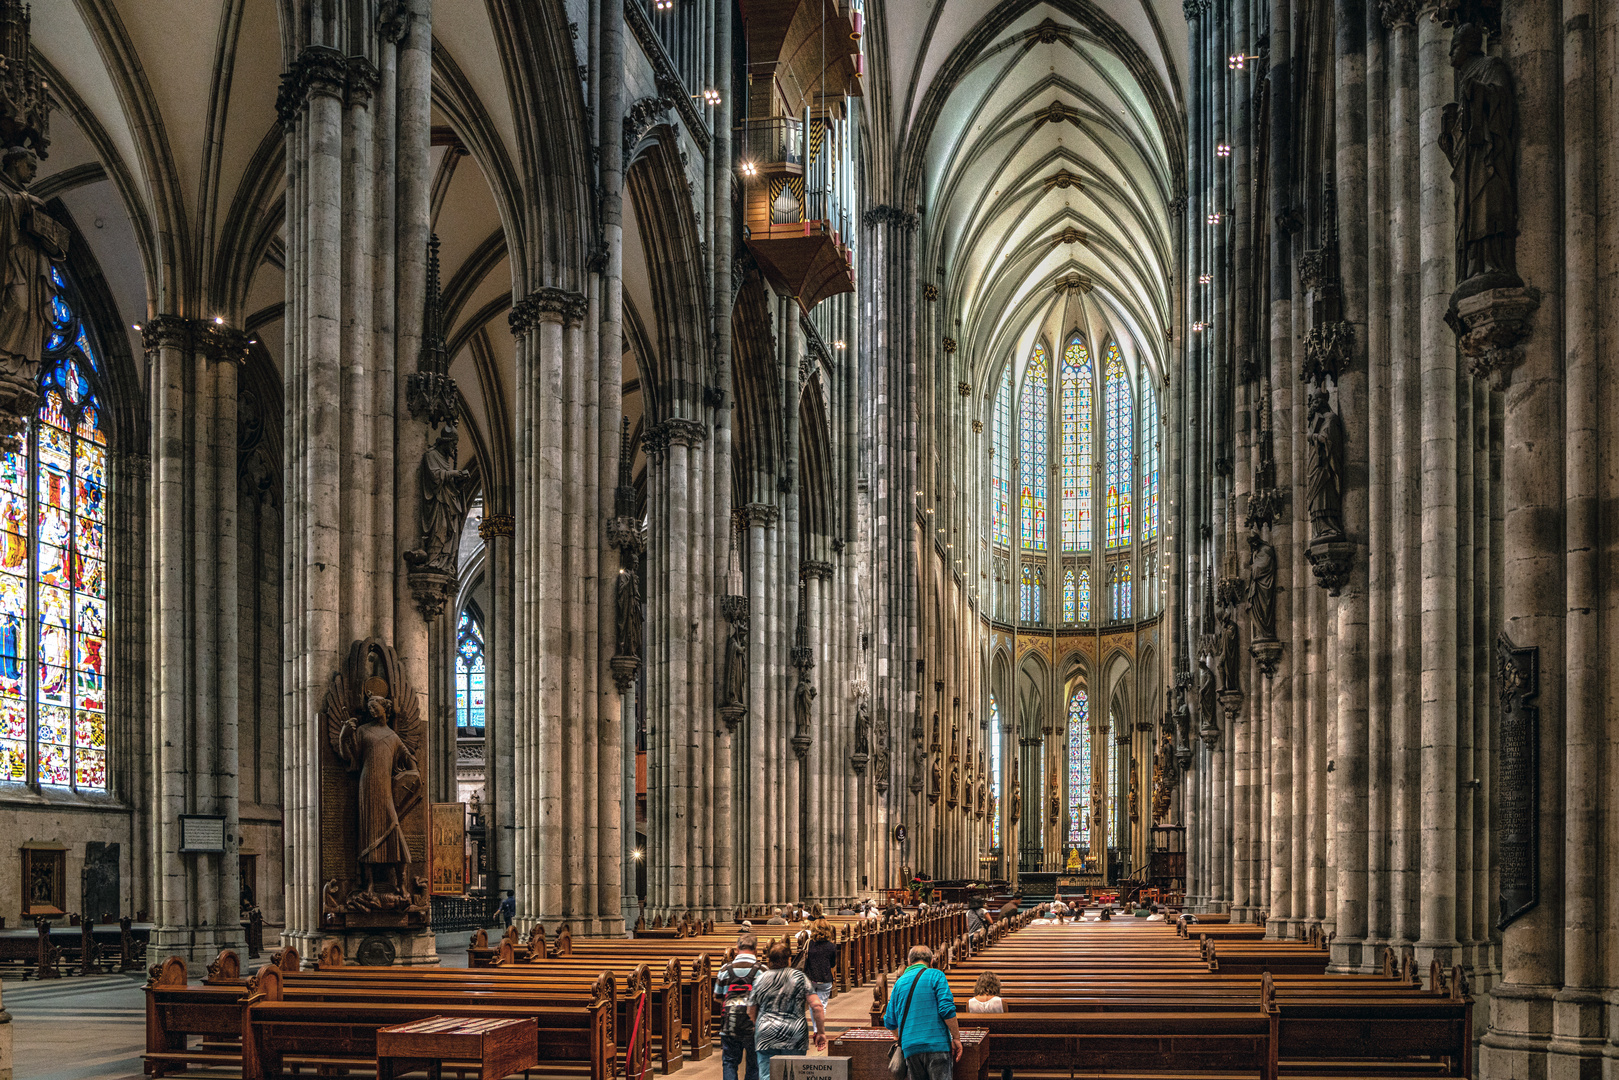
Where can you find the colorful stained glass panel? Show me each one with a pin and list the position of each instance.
(1076, 447)
(1001, 465)
(1033, 419)
(1079, 769)
(469, 676)
(994, 773)
(1120, 448)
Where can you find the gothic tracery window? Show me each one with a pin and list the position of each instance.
(1032, 427)
(1001, 463)
(1079, 769)
(1076, 447)
(1030, 587)
(469, 677)
(1070, 596)
(1149, 461)
(1120, 449)
(1085, 594)
(1113, 753)
(994, 773)
(53, 577)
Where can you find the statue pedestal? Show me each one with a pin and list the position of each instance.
(431, 589)
(1331, 562)
(1267, 655)
(732, 715)
(388, 948)
(1491, 326)
(625, 668)
(1231, 701)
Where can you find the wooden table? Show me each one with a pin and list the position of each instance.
(500, 1047)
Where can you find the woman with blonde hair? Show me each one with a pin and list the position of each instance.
(821, 957)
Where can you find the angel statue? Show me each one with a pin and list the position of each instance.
(374, 727)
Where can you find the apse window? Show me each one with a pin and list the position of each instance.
(53, 576)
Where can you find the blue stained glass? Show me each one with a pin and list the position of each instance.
(1033, 419)
(1001, 465)
(994, 773)
(1121, 591)
(1149, 462)
(1079, 769)
(1113, 791)
(1076, 447)
(1070, 597)
(1120, 448)
(469, 676)
(1085, 595)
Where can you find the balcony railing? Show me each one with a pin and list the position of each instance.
(771, 143)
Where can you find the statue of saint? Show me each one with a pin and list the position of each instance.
(446, 493)
(736, 663)
(1326, 474)
(1205, 690)
(1015, 810)
(937, 775)
(1262, 588)
(1479, 134)
(1055, 808)
(1230, 645)
(1135, 793)
(31, 241)
(862, 727)
(631, 613)
(369, 745)
(955, 778)
(803, 698)
(880, 765)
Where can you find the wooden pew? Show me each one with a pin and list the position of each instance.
(176, 1012)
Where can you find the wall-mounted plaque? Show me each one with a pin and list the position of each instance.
(449, 828)
(202, 834)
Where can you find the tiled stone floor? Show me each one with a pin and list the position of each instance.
(94, 1028)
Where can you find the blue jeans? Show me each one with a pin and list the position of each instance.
(764, 1056)
(734, 1052)
(824, 992)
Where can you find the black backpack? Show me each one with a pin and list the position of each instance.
(737, 981)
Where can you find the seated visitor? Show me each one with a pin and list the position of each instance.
(986, 994)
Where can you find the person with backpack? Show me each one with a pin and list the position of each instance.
(731, 991)
(922, 1015)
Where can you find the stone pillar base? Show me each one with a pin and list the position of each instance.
(401, 948)
(198, 946)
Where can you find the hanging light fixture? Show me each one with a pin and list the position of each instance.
(1222, 150)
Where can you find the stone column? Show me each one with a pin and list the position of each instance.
(193, 616)
(497, 532)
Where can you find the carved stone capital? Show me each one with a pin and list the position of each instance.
(547, 305)
(978, 427)
(889, 215)
(817, 569)
(681, 431)
(949, 345)
(930, 291)
(1331, 561)
(1194, 9)
(393, 21)
(317, 71)
(1397, 14)
(360, 80)
(765, 514)
(166, 332)
(494, 525)
(1492, 327)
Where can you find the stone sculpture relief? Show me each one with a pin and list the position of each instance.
(736, 662)
(631, 613)
(1326, 470)
(1479, 134)
(446, 494)
(1229, 641)
(1261, 588)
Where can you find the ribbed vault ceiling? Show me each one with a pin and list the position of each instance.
(1041, 140)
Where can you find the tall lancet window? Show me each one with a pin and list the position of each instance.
(1031, 585)
(1121, 590)
(1001, 465)
(1149, 461)
(994, 773)
(469, 676)
(1079, 769)
(1120, 449)
(1076, 447)
(1113, 790)
(1070, 596)
(1032, 427)
(1084, 591)
(53, 573)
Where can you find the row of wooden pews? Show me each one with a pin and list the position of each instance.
(1137, 998)
(49, 952)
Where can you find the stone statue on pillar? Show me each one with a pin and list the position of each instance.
(631, 612)
(862, 733)
(736, 663)
(1229, 640)
(31, 242)
(446, 494)
(1326, 470)
(1261, 588)
(1014, 811)
(1479, 134)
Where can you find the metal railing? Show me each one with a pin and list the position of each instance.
(461, 914)
(771, 141)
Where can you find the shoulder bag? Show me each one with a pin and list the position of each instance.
(896, 1056)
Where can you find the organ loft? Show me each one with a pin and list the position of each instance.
(607, 536)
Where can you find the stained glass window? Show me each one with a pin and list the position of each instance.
(469, 676)
(1121, 591)
(1029, 589)
(1113, 791)
(994, 773)
(1070, 597)
(1149, 461)
(1120, 437)
(53, 577)
(1079, 769)
(1085, 594)
(1076, 447)
(1001, 465)
(1033, 418)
